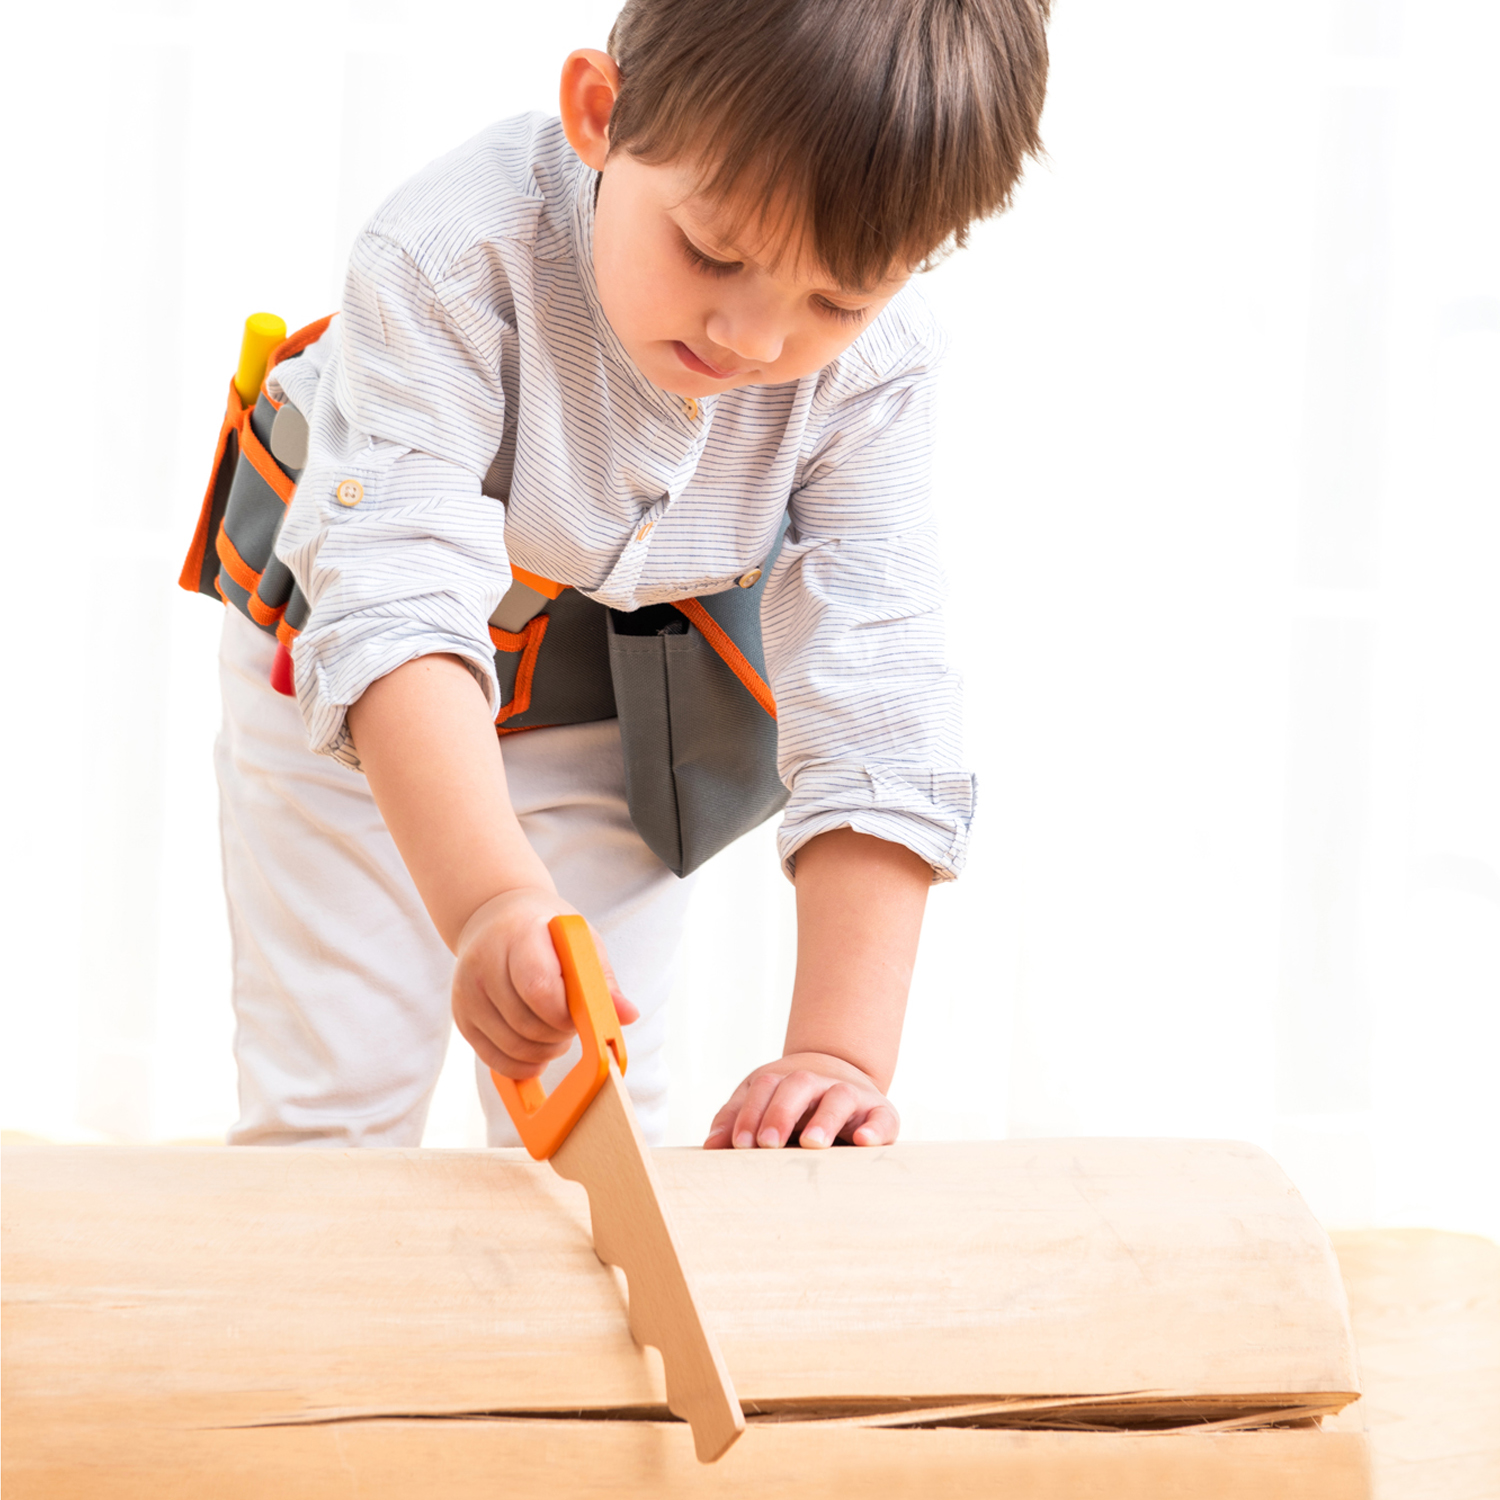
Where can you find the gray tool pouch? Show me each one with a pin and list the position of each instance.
(700, 752)
(244, 516)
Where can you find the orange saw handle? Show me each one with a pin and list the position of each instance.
(543, 1120)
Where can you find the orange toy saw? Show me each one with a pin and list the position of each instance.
(588, 1130)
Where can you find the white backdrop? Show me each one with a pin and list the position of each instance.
(1218, 478)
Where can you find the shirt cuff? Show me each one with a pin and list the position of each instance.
(297, 379)
(928, 811)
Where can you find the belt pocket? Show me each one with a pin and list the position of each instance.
(251, 576)
(233, 552)
(555, 669)
(699, 742)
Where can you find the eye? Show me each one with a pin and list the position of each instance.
(840, 314)
(706, 264)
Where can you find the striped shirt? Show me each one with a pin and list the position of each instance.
(475, 389)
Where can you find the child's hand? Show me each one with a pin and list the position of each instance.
(830, 1100)
(509, 1002)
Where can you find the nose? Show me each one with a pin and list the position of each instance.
(750, 329)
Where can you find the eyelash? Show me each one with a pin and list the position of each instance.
(703, 263)
(728, 268)
(842, 314)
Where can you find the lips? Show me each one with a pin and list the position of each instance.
(699, 365)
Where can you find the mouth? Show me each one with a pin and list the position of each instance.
(700, 366)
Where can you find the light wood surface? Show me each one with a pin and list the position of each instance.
(535, 1460)
(292, 1322)
(1426, 1313)
(607, 1155)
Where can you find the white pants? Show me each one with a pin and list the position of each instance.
(341, 983)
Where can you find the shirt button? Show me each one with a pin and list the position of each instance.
(690, 407)
(349, 492)
(750, 579)
(645, 531)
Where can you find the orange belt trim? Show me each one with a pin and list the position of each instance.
(733, 657)
(192, 567)
(262, 613)
(529, 643)
(286, 635)
(235, 565)
(264, 465)
(543, 586)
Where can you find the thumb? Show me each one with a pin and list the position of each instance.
(536, 976)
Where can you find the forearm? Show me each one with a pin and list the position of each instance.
(860, 902)
(432, 758)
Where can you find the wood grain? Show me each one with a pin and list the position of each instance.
(337, 1323)
(266, 1284)
(607, 1155)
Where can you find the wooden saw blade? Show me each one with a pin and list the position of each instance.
(606, 1152)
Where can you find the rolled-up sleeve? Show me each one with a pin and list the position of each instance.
(408, 414)
(869, 712)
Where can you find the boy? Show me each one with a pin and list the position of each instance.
(615, 351)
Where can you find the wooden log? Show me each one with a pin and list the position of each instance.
(293, 1322)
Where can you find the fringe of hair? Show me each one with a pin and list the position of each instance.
(876, 130)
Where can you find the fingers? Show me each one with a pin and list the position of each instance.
(509, 999)
(721, 1132)
(484, 1025)
(484, 1049)
(837, 1109)
(503, 1050)
(795, 1096)
(499, 1022)
(768, 1108)
(863, 1126)
(881, 1127)
(762, 1088)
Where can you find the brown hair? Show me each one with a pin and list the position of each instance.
(881, 129)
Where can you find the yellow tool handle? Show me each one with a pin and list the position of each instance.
(263, 331)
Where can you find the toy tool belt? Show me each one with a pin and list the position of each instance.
(686, 680)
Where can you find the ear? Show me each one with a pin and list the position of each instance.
(590, 81)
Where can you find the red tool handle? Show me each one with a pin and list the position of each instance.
(281, 672)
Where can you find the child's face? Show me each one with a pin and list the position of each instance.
(700, 314)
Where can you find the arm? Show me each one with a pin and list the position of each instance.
(390, 662)
(868, 741)
(428, 747)
(859, 913)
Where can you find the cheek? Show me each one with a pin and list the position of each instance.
(670, 300)
(645, 296)
(612, 275)
(815, 343)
